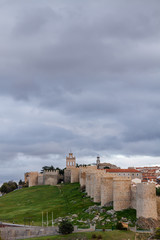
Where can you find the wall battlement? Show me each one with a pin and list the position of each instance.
(51, 172)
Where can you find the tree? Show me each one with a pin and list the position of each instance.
(61, 171)
(8, 187)
(49, 168)
(158, 191)
(65, 227)
(22, 183)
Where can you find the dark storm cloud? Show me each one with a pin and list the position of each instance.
(80, 75)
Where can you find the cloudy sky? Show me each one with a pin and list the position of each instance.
(81, 75)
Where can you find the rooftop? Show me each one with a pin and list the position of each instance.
(123, 170)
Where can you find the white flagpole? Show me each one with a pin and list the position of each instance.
(42, 219)
(52, 219)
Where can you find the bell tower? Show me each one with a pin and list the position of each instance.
(70, 161)
(98, 161)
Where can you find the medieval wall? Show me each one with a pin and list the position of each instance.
(106, 190)
(88, 184)
(92, 183)
(146, 200)
(82, 177)
(133, 196)
(97, 187)
(158, 206)
(31, 178)
(75, 175)
(50, 177)
(40, 179)
(121, 193)
(67, 175)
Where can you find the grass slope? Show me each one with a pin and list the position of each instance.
(62, 200)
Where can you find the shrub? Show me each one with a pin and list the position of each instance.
(157, 234)
(99, 236)
(120, 226)
(65, 227)
(158, 191)
(94, 236)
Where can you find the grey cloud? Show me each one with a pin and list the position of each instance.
(78, 74)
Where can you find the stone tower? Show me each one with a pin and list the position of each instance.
(70, 161)
(146, 200)
(98, 161)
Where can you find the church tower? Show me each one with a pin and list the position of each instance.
(98, 161)
(70, 161)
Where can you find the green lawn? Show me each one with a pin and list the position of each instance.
(114, 235)
(62, 200)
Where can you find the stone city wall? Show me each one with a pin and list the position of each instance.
(97, 185)
(121, 193)
(158, 207)
(12, 233)
(88, 184)
(92, 184)
(146, 200)
(31, 178)
(106, 190)
(46, 178)
(40, 179)
(75, 175)
(67, 175)
(50, 177)
(82, 178)
(133, 196)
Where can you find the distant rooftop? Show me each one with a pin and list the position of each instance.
(122, 170)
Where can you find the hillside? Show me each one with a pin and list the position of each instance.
(26, 206)
(62, 200)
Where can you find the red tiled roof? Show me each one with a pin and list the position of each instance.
(152, 177)
(123, 170)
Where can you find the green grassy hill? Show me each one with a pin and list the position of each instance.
(62, 200)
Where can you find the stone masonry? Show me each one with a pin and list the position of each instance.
(121, 193)
(105, 186)
(108, 188)
(45, 178)
(146, 200)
